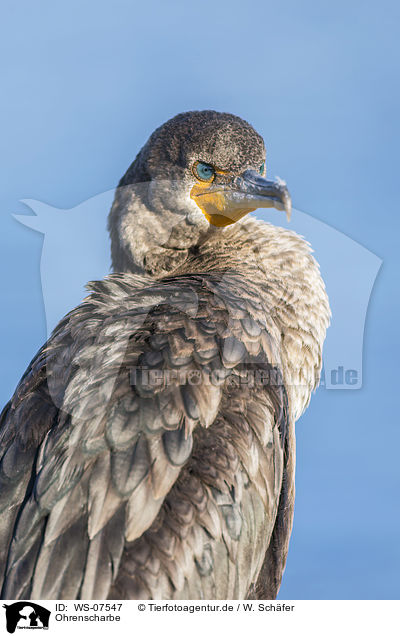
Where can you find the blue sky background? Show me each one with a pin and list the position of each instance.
(84, 84)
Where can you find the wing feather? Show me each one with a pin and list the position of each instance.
(129, 466)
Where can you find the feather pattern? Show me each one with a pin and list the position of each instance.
(189, 473)
(148, 450)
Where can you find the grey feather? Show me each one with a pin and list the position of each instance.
(190, 402)
(233, 351)
(103, 559)
(130, 467)
(177, 446)
(122, 429)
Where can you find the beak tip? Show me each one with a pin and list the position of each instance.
(287, 201)
(288, 209)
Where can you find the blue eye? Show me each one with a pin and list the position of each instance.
(204, 171)
(262, 168)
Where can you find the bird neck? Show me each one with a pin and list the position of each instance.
(148, 239)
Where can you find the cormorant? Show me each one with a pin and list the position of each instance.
(148, 451)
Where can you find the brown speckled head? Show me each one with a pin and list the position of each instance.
(221, 139)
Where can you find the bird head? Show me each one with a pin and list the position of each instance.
(200, 168)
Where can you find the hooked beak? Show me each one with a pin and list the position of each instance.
(223, 204)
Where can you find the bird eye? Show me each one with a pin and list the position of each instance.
(203, 171)
(262, 168)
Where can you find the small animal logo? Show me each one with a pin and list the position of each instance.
(26, 615)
